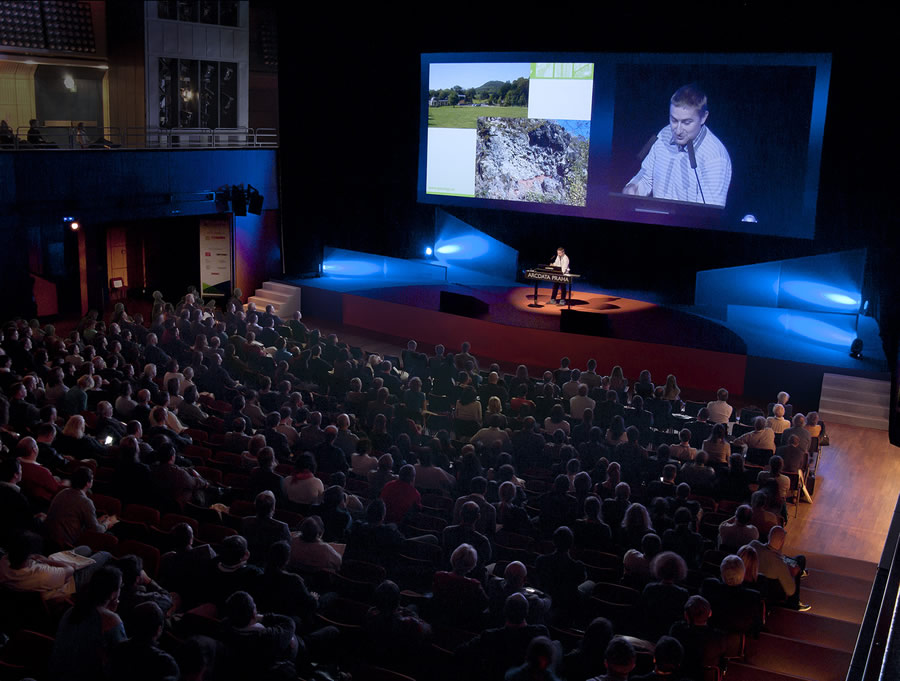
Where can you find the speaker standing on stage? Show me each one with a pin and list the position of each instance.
(562, 262)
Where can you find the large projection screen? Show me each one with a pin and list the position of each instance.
(715, 141)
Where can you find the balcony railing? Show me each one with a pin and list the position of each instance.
(95, 138)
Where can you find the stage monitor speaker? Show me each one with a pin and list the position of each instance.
(463, 305)
(585, 323)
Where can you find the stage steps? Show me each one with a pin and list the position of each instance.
(855, 401)
(816, 645)
(284, 297)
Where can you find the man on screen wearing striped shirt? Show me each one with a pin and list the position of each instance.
(667, 172)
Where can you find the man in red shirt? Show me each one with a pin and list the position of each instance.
(38, 482)
(400, 495)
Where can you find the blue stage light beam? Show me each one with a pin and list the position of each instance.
(823, 295)
(351, 268)
(816, 330)
(464, 247)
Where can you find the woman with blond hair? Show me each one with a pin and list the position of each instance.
(74, 442)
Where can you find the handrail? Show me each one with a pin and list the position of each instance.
(877, 639)
(56, 138)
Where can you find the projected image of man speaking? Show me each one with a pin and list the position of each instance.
(687, 162)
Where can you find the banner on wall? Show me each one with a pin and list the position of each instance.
(215, 258)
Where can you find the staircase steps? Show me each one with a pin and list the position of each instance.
(813, 628)
(284, 297)
(834, 605)
(852, 587)
(738, 671)
(816, 645)
(784, 655)
(840, 565)
(856, 401)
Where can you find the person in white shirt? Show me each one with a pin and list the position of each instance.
(778, 423)
(719, 409)
(562, 262)
(580, 402)
(760, 437)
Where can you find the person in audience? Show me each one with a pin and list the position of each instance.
(303, 487)
(716, 447)
(589, 655)
(737, 530)
(732, 482)
(465, 533)
(24, 568)
(636, 563)
(591, 532)
(38, 483)
(784, 571)
(761, 437)
(263, 530)
(89, 630)
(430, 477)
(561, 576)
(15, 512)
(795, 459)
(665, 486)
(798, 428)
(752, 578)
(490, 654)
(72, 512)
(662, 602)
(683, 450)
(540, 662)
(392, 632)
(400, 496)
(719, 409)
(615, 434)
(620, 659)
(668, 655)
(703, 645)
(309, 553)
(284, 592)
(558, 506)
(487, 519)
(230, 571)
(382, 475)
(763, 519)
(777, 422)
(735, 608)
(175, 486)
(186, 565)
(264, 478)
(683, 540)
(138, 588)
(698, 474)
(333, 512)
(458, 598)
(139, 657)
(774, 474)
(74, 442)
(254, 643)
(635, 524)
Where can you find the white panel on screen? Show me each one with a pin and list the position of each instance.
(560, 98)
(451, 162)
